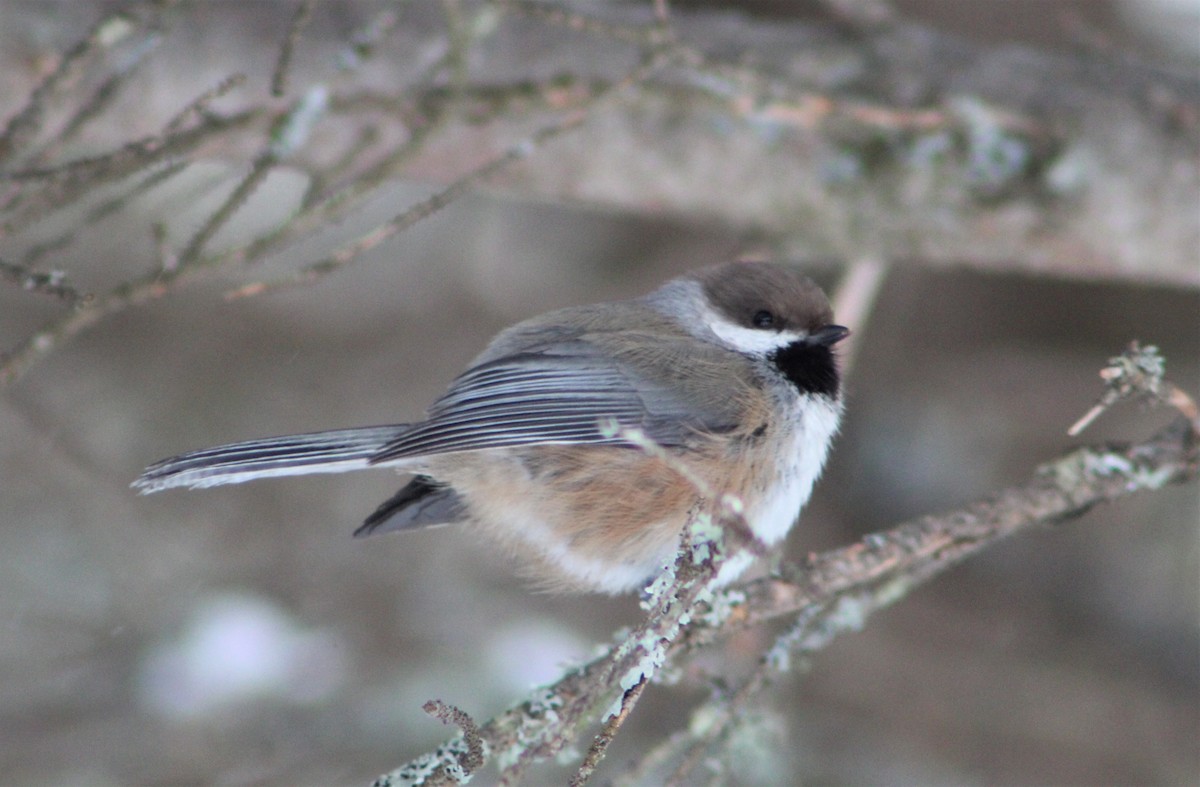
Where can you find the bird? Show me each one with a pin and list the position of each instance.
(730, 370)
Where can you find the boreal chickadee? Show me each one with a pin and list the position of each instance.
(730, 369)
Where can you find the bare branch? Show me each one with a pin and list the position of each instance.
(427, 207)
(199, 106)
(23, 127)
(880, 141)
(421, 210)
(854, 302)
(279, 78)
(970, 175)
(50, 283)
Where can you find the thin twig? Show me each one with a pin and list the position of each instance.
(198, 106)
(814, 627)
(427, 207)
(1137, 372)
(283, 65)
(608, 733)
(70, 182)
(102, 98)
(719, 716)
(318, 208)
(732, 508)
(27, 124)
(715, 530)
(472, 760)
(421, 210)
(365, 40)
(854, 302)
(229, 206)
(104, 210)
(49, 283)
(321, 180)
(289, 132)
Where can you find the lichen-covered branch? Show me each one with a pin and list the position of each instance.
(836, 591)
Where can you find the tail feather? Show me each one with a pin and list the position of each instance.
(317, 452)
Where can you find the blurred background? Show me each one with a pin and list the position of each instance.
(239, 635)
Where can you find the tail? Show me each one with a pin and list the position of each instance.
(299, 454)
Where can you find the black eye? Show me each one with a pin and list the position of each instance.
(763, 319)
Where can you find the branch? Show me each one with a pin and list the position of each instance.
(48, 283)
(832, 592)
(903, 142)
(1006, 159)
(22, 128)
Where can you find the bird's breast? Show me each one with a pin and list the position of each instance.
(789, 460)
(608, 518)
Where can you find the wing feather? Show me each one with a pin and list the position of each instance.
(558, 393)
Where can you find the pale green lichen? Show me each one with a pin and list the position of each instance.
(703, 719)
(813, 629)
(544, 705)
(1107, 465)
(1137, 370)
(733, 504)
(657, 589)
(652, 650)
(756, 748)
(568, 756)
(1073, 471)
(707, 539)
(446, 758)
(1148, 478)
(1139, 477)
(297, 127)
(719, 606)
(652, 658)
(850, 614)
(542, 714)
(891, 592)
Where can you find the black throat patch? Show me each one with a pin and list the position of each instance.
(809, 367)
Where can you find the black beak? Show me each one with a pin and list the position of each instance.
(829, 335)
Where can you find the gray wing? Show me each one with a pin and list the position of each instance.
(556, 393)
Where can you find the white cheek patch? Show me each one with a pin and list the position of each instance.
(749, 340)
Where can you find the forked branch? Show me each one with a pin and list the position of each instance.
(830, 593)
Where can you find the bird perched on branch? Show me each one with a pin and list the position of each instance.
(729, 369)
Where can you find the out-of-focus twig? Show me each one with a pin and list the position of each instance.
(427, 207)
(199, 105)
(49, 283)
(24, 126)
(283, 64)
(1137, 373)
(421, 210)
(70, 182)
(289, 131)
(102, 98)
(853, 302)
